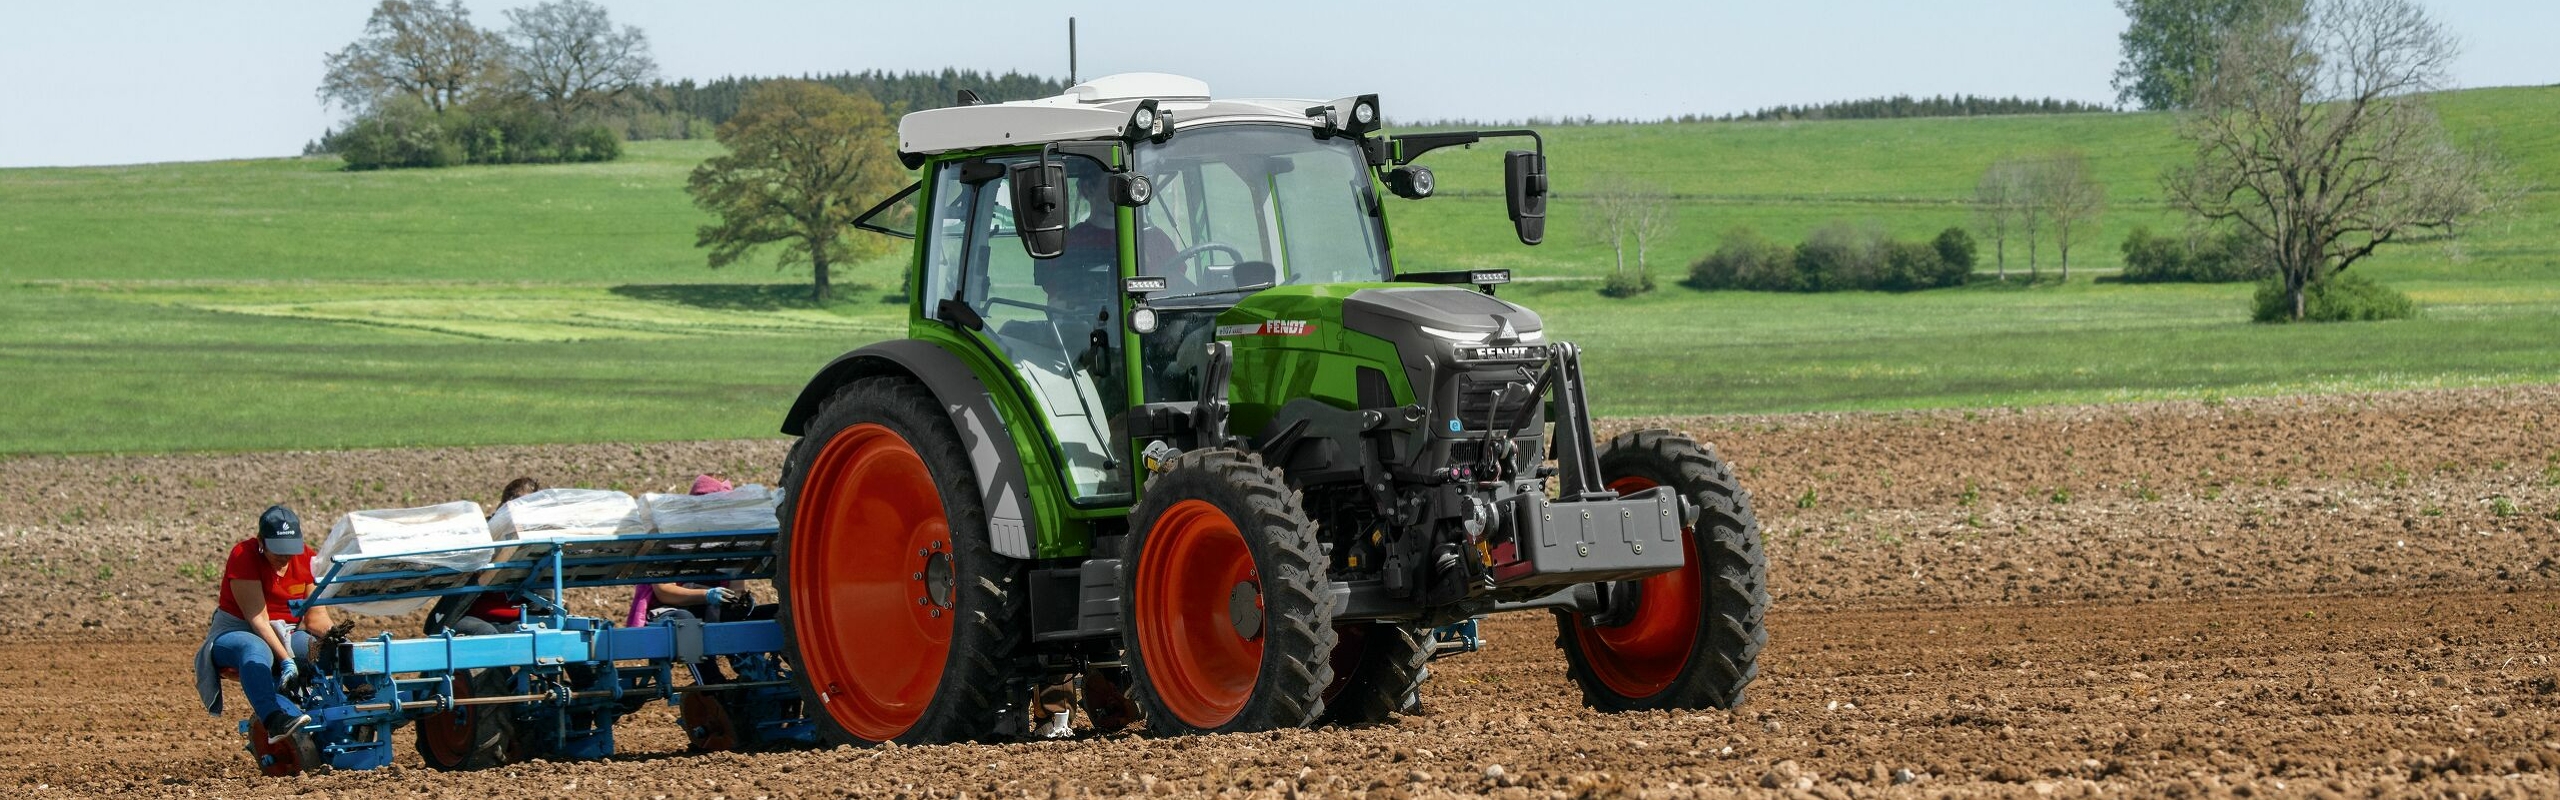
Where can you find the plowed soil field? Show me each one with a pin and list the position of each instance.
(2330, 596)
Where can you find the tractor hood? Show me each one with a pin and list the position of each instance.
(1463, 316)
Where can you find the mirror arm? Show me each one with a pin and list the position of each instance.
(1402, 150)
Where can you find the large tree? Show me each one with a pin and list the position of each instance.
(568, 57)
(804, 160)
(415, 49)
(2169, 45)
(2312, 136)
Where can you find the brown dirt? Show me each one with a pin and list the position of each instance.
(2343, 595)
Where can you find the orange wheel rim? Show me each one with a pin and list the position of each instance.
(448, 733)
(1194, 578)
(872, 582)
(1642, 657)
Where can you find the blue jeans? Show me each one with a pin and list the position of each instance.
(245, 653)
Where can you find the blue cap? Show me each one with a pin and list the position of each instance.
(280, 532)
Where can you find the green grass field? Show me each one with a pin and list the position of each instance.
(287, 304)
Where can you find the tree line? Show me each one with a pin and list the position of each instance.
(1907, 107)
(1893, 107)
(560, 82)
(428, 87)
(715, 101)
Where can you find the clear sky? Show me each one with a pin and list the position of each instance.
(109, 82)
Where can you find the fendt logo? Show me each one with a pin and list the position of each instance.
(1277, 327)
(1517, 352)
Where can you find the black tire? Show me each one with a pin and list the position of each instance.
(986, 600)
(1732, 586)
(486, 733)
(1294, 620)
(1378, 668)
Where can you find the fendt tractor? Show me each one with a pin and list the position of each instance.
(1168, 416)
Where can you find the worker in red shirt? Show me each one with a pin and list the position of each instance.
(486, 612)
(255, 631)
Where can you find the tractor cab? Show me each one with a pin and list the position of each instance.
(1093, 241)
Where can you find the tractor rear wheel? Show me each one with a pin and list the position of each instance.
(902, 620)
(1694, 636)
(1227, 622)
(469, 737)
(1377, 668)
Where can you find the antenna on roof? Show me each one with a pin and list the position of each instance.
(1071, 51)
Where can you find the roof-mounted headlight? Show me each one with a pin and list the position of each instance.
(1145, 122)
(1364, 115)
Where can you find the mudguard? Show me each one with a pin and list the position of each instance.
(992, 458)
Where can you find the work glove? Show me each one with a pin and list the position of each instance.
(286, 670)
(716, 596)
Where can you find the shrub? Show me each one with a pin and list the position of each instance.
(1910, 266)
(1841, 257)
(1626, 284)
(1835, 257)
(595, 143)
(407, 134)
(2226, 258)
(1745, 260)
(2344, 297)
(403, 134)
(1955, 254)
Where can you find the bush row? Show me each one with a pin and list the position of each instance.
(2342, 297)
(411, 135)
(2230, 257)
(1834, 258)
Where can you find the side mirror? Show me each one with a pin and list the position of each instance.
(1524, 182)
(1040, 207)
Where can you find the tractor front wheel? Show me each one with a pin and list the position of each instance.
(901, 617)
(1693, 638)
(1227, 622)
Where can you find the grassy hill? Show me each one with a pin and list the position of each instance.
(286, 303)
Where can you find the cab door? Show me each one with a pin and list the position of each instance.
(1053, 323)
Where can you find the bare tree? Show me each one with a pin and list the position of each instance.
(568, 57)
(416, 49)
(1613, 203)
(1653, 218)
(2311, 135)
(2070, 198)
(2031, 213)
(1997, 201)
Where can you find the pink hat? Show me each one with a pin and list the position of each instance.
(708, 484)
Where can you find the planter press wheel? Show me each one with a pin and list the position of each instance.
(1227, 626)
(1695, 633)
(1378, 667)
(900, 615)
(708, 727)
(469, 737)
(282, 759)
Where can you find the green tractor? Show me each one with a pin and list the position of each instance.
(1168, 417)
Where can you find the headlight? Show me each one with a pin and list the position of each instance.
(1460, 337)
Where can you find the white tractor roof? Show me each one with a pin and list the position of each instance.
(1094, 109)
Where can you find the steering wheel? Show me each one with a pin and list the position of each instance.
(1174, 265)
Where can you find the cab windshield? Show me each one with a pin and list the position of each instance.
(1244, 207)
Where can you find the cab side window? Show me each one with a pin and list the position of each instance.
(1053, 321)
